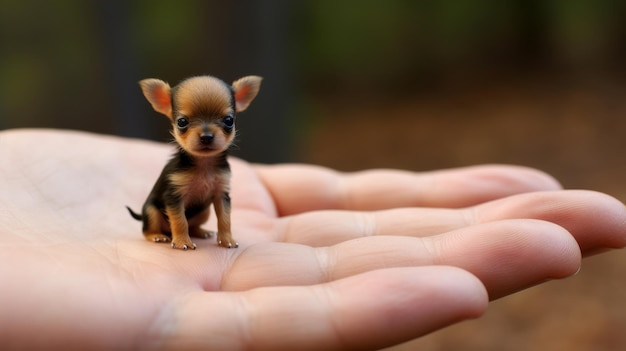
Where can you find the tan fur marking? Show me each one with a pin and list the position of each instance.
(181, 180)
(190, 140)
(195, 186)
(205, 96)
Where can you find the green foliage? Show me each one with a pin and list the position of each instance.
(393, 40)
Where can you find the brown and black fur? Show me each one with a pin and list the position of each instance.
(202, 111)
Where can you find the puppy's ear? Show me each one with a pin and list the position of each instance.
(246, 89)
(158, 94)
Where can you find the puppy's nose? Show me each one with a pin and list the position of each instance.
(206, 138)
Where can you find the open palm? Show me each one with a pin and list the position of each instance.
(326, 260)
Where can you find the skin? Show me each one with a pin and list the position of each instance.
(327, 260)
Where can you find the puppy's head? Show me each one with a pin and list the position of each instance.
(202, 109)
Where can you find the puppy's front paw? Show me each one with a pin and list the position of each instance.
(227, 242)
(183, 245)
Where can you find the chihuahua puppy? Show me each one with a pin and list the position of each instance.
(202, 111)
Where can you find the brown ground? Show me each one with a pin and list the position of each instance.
(575, 132)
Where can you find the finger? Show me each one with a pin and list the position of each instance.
(506, 256)
(325, 228)
(298, 188)
(596, 220)
(367, 311)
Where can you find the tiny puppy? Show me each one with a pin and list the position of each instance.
(202, 111)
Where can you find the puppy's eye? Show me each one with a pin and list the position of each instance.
(182, 122)
(228, 121)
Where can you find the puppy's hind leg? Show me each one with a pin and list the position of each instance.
(152, 225)
(157, 237)
(199, 232)
(194, 225)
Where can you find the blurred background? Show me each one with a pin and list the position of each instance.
(352, 84)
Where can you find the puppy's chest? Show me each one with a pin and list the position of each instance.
(199, 186)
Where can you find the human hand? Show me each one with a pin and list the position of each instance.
(326, 260)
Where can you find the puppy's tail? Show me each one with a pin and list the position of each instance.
(134, 215)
